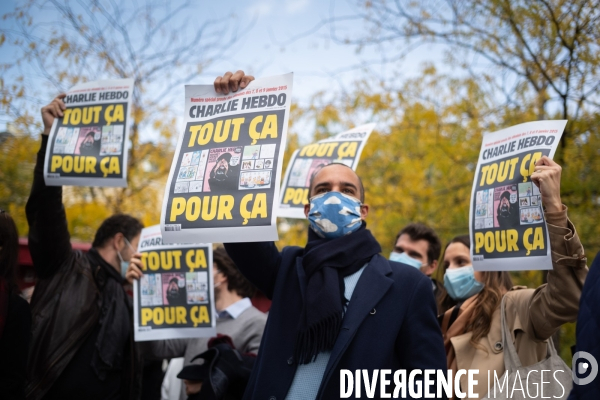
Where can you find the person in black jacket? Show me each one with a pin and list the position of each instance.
(337, 303)
(82, 342)
(586, 367)
(15, 317)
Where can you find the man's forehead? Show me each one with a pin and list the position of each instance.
(406, 239)
(336, 172)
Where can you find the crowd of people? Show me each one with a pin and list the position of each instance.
(337, 303)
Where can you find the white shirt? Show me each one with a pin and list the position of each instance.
(236, 309)
(171, 385)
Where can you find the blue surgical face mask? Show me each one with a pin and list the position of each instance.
(125, 264)
(334, 214)
(405, 258)
(461, 283)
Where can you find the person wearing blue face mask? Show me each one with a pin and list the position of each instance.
(82, 335)
(472, 327)
(419, 246)
(336, 303)
(125, 263)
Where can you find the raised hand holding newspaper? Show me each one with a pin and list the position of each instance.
(87, 146)
(224, 179)
(507, 225)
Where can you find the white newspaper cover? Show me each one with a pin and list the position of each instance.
(174, 299)
(345, 147)
(506, 220)
(224, 180)
(88, 145)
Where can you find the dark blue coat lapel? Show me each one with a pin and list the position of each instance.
(371, 287)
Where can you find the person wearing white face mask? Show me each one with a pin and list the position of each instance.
(472, 328)
(419, 246)
(82, 337)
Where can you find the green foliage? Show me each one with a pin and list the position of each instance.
(419, 162)
(55, 45)
(17, 159)
(525, 61)
(518, 61)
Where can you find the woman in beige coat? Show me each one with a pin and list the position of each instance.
(473, 336)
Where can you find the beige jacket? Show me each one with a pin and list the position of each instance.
(532, 315)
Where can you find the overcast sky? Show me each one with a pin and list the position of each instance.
(271, 46)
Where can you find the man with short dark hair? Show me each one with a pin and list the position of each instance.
(82, 340)
(337, 304)
(419, 246)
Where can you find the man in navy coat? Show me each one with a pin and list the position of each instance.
(588, 341)
(337, 304)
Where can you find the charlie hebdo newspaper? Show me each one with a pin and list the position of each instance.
(87, 147)
(507, 226)
(345, 147)
(174, 298)
(224, 180)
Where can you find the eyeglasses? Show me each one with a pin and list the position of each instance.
(128, 244)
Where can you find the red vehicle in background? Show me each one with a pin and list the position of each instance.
(26, 273)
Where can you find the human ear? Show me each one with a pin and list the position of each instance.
(306, 209)
(479, 276)
(364, 211)
(430, 269)
(118, 241)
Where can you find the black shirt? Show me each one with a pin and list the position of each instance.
(14, 348)
(79, 378)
